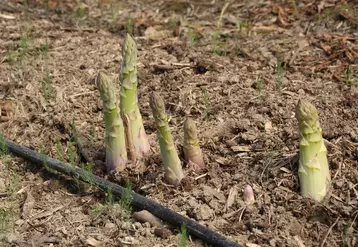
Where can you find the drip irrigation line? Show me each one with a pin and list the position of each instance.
(138, 201)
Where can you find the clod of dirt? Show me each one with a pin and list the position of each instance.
(162, 232)
(110, 225)
(223, 129)
(204, 212)
(209, 193)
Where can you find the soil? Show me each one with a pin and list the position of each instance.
(238, 71)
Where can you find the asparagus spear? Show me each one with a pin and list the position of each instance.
(192, 151)
(172, 165)
(116, 153)
(249, 196)
(137, 141)
(313, 170)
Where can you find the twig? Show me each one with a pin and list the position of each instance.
(222, 14)
(201, 176)
(79, 94)
(329, 231)
(172, 66)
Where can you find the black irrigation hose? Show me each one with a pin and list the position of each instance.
(138, 201)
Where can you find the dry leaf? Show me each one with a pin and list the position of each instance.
(152, 33)
(231, 198)
(94, 242)
(241, 148)
(268, 126)
(299, 241)
(28, 205)
(7, 17)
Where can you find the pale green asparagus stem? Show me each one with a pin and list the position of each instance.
(116, 153)
(192, 152)
(313, 170)
(136, 137)
(172, 165)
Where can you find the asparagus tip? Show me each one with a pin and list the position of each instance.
(192, 151)
(249, 197)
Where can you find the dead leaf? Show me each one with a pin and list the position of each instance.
(94, 242)
(345, 14)
(241, 148)
(299, 241)
(272, 27)
(326, 48)
(231, 198)
(268, 126)
(152, 33)
(46, 213)
(28, 205)
(302, 43)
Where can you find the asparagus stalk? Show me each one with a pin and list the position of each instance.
(116, 153)
(171, 162)
(249, 196)
(313, 169)
(192, 152)
(137, 141)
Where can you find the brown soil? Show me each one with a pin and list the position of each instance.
(224, 74)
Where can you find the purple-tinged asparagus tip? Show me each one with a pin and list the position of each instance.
(249, 197)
